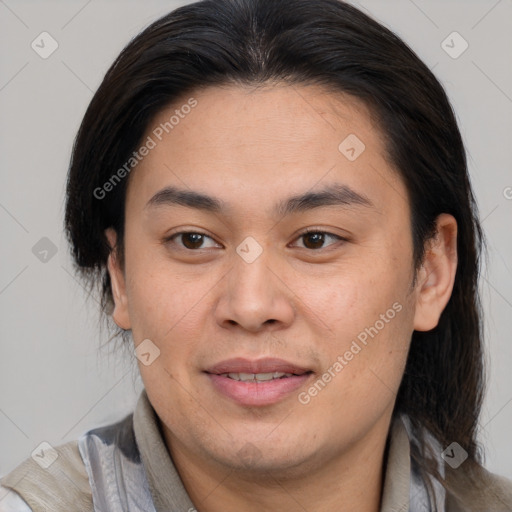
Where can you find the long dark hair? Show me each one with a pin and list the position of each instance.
(326, 42)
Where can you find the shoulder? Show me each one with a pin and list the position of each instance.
(11, 501)
(53, 478)
(473, 488)
(466, 487)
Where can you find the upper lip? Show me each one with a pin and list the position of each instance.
(265, 365)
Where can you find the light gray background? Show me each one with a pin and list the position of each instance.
(54, 382)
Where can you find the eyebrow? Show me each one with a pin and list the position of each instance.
(332, 195)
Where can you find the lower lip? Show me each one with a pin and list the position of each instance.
(258, 393)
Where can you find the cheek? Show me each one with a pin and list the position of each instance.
(365, 365)
(367, 318)
(161, 301)
(350, 301)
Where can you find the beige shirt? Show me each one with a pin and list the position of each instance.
(64, 486)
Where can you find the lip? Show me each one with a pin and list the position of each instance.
(265, 365)
(254, 394)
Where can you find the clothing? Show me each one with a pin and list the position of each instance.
(126, 467)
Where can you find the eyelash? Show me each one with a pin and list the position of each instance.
(171, 239)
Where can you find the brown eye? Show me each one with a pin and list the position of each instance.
(315, 240)
(192, 241)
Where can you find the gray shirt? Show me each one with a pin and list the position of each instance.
(126, 467)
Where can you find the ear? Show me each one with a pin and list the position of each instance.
(436, 275)
(120, 314)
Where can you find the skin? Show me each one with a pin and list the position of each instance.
(253, 148)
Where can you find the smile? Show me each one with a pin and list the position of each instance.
(256, 377)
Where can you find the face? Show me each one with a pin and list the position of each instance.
(268, 261)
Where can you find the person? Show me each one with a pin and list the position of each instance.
(273, 198)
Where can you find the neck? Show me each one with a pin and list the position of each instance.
(348, 482)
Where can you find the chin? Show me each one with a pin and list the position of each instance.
(264, 460)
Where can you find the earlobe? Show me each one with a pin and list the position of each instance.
(120, 313)
(436, 276)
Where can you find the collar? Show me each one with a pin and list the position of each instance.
(165, 484)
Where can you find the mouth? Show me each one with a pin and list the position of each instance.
(258, 382)
(257, 377)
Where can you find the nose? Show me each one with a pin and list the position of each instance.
(255, 297)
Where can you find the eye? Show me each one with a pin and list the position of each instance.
(192, 240)
(318, 239)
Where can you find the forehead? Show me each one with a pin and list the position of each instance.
(248, 142)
